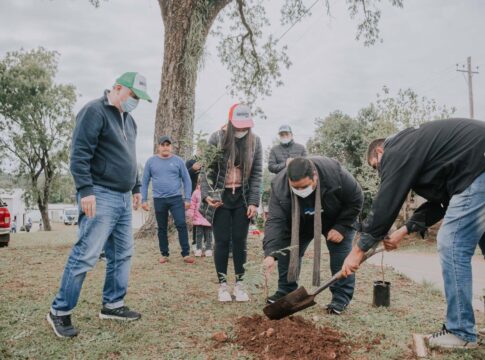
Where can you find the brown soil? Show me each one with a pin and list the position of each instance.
(290, 338)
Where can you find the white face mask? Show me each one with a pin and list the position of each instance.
(285, 140)
(129, 104)
(241, 134)
(303, 193)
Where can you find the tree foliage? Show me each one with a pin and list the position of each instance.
(36, 119)
(346, 138)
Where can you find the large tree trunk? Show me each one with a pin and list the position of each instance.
(44, 213)
(186, 25)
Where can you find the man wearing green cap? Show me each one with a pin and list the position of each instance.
(104, 168)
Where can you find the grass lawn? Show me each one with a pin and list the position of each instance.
(180, 310)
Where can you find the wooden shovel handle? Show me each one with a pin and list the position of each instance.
(339, 276)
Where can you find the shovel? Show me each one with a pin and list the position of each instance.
(300, 299)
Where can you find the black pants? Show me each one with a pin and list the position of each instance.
(482, 244)
(230, 225)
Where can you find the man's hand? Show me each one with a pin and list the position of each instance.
(288, 161)
(196, 166)
(252, 211)
(392, 241)
(145, 206)
(88, 204)
(269, 265)
(187, 205)
(352, 261)
(334, 236)
(136, 201)
(213, 203)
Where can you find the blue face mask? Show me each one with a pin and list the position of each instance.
(129, 104)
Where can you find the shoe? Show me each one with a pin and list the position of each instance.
(240, 292)
(62, 325)
(198, 253)
(446, 340)
(223, 295)
(122, 313)
(189, 260)
(230, 254)
(194, 247)
(335, 308)
(275, 297)
(163, 259)
(208, 253)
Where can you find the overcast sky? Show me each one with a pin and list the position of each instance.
(331, 70)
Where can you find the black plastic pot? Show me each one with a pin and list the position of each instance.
(382, 293)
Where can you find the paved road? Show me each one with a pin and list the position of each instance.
(426, 267)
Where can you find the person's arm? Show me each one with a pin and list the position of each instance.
(425, 216)
(186, 181)
(256, 177)
(399, 171)
(145, 181)
(276, 230)
(84, 142)
(273, 165)
(203, 175)
(352, 200)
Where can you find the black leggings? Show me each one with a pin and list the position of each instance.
(230, 224)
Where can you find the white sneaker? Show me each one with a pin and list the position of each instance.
(240, 292)
(208, 253)
(198, 253)
(224, 295)
(446, 340)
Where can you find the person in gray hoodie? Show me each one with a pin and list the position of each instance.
(104, 168)
(281, 154)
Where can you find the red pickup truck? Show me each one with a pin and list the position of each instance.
(4, 224)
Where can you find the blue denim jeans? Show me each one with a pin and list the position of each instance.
(462, 228)
(109, 228)
(176, 206)
(343, 290)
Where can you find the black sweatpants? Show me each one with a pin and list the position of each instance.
(230, 225)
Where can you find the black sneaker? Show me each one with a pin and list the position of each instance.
(335, 308)
(62, 325)
(275, 297)
(121, 313)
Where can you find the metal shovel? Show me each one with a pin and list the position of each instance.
(300, 299)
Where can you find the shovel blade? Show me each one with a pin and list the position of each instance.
(293, 302)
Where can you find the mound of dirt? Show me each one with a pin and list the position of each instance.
(290, 338)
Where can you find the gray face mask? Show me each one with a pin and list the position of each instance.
(129, 104)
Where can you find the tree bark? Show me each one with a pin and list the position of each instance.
(186, 24)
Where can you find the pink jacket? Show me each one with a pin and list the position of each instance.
(193, 211)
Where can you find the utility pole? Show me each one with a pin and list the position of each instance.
(470, 86)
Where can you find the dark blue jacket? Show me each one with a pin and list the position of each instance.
(103, 149)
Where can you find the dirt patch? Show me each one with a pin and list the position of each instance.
(290, 338)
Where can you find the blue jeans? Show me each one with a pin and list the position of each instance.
(176, 206)
(343, 290)
(462, 228)
(111, 229)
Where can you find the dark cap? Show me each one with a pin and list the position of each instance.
(164, 138)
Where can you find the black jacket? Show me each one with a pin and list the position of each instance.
(217, 175)
(194, 175)
(103, 149)
(437, 161)
(342, 201)
(280, 153)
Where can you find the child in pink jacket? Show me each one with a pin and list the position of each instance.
(201, 227)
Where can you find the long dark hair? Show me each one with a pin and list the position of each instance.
(243, 155)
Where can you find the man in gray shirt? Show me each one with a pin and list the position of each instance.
(281, 155)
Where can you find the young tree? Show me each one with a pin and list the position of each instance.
(36, 119)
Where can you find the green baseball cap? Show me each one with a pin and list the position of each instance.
(136, 83)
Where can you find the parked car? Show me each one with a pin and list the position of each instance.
(4, 224)
(70, 216)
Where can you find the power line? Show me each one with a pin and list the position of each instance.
(277, 40)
